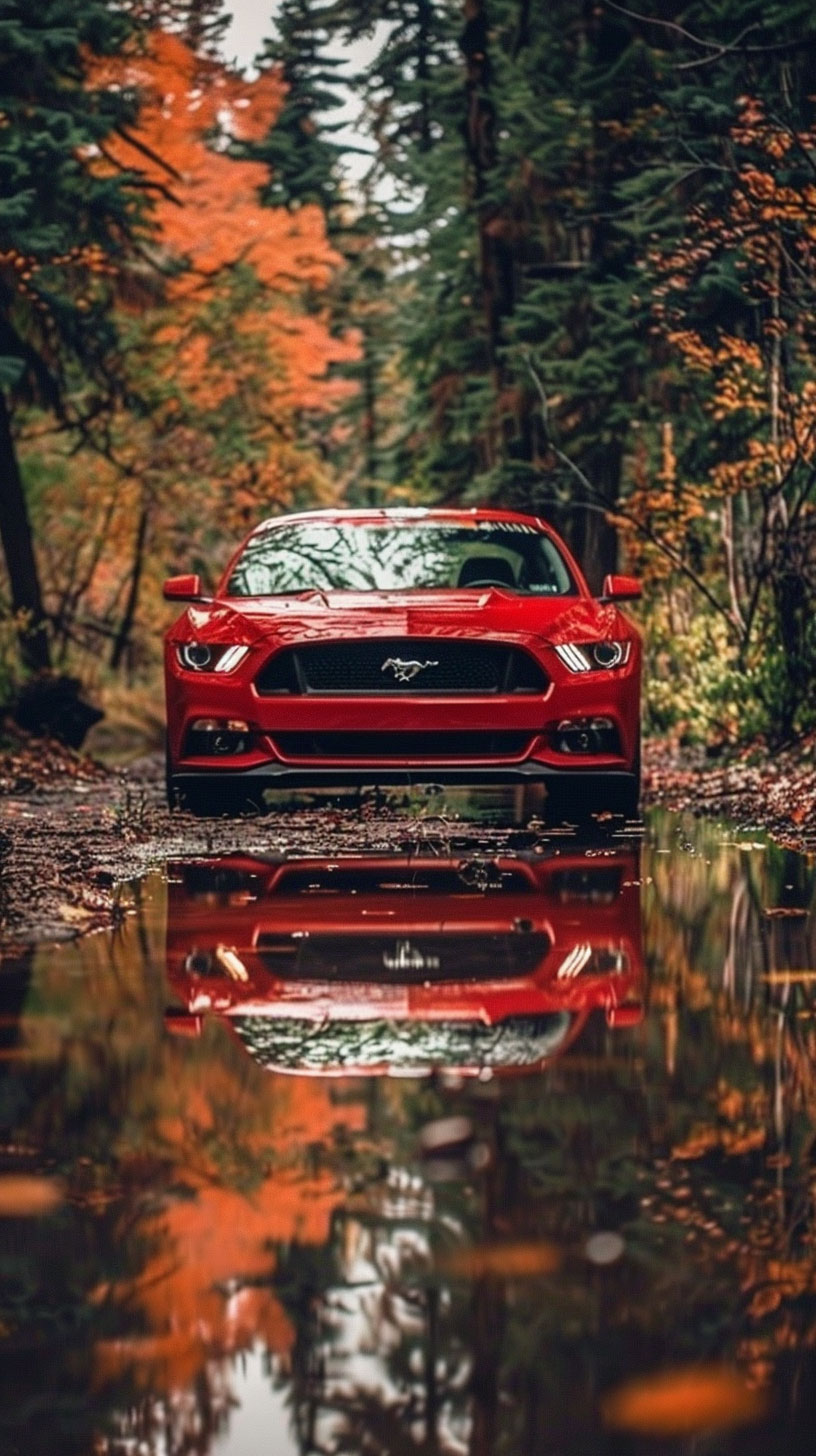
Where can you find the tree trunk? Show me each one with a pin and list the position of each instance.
(590, 533)
(425, 21)
(495, 254)
(18, 549)
(122, 638)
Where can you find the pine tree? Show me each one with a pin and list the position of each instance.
(303, 159)
(495, 125)
(61, 221)
(305, 165)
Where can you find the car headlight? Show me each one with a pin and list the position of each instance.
(587, 960)
(202, 657)
(593, 656)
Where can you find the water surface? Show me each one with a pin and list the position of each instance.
(484, 1148)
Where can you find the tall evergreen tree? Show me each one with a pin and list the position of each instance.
(305, 161)
(731, 219)
(62, 218)
(303, 158)
(502, 130)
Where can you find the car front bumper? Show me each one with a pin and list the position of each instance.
(337, 739)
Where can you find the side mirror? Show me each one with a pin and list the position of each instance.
(621, 589)
(183, 589)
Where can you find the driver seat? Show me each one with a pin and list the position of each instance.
(486, 571)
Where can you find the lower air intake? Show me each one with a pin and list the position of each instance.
(428, 747)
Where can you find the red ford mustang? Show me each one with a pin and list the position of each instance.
(361, 646)
(405, 963)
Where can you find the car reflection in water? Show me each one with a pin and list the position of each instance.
(402, 965)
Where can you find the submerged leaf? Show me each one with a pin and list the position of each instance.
(24, 1195)
(509, 1261)
(684, 1401)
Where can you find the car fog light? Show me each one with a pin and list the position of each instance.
(587, 735)
(218, 736)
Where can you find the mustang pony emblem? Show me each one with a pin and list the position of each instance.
(404, 671)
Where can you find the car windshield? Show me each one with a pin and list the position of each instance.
(395, 556)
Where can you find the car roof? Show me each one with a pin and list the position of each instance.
(363, 515)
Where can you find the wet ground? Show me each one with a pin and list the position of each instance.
(459, 1136)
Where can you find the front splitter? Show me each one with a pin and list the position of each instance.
(277, 775)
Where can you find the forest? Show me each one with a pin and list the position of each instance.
(571, 271)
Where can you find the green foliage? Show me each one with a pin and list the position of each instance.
(696, 688)
(69, 221)
(64, 216)
(557, 238)
(9, 662)
(302, 158)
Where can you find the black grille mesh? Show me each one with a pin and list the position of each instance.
(407, 960)
(430, 747)
(428, 666)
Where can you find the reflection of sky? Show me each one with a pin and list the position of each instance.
(260, 1406)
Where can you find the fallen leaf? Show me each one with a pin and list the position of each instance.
(74, 914)
(510, 1261)
(684, 1402)
(24, 1195)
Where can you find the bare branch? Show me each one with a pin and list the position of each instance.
(718, 49)
(616, 510)
(138, 179)
(146, 151)
(672, 25)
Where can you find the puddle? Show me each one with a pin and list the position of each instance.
(501, 1143)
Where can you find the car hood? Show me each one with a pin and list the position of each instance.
(316, 616)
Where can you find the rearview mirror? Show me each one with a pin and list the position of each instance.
(183, 589)
(621, 589)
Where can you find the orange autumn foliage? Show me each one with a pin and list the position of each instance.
(208, 222)
(203, 1292)
(227, 347)
(24, 1195)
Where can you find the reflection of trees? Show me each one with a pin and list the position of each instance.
(662, 1137)
(183, 1163)
(298, 558)
(214, 1209)
(381, 1366)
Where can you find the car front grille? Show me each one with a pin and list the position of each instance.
(403, 960)
(429, 747)
(435, 667)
